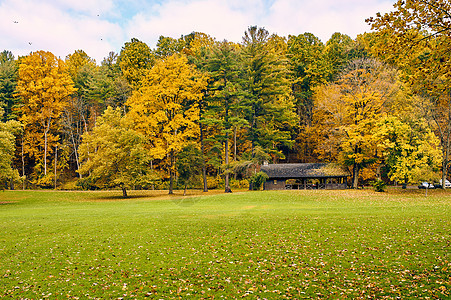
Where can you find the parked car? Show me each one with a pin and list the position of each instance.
(447, 184)
(426, 185)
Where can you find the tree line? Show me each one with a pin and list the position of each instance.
(195, 107)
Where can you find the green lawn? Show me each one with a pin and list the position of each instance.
(284, 244)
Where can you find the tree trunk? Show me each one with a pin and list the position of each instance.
(355, 176)
(45, 152)
(234, 143)
(171, 173)
(204, 168)
(171, 183)
(226, 160)
(445, 139)
(234, 148)
(56, 159)
(46, 131)
(77, 161)
(23, 167)
(124, 192)
(184, 192)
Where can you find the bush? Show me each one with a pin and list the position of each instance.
(239, 184)
(86, 184)
(379, 185)
(213, 182)
(257, 180)
(70, 185)
(46, 182)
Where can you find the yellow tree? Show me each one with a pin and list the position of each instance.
(44, 87)
(8, 132)
(416, 37)
(134, 60)
(113, 154)
(166, 108)
(78, 60)
(347, 112)
(411, 150)
(81, 69)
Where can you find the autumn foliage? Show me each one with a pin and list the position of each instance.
(378, 105)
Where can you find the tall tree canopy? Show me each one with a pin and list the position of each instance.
(416, 36)
(8, 81)
(135, 58)
(270, 109)
(8, 132)
(347, 112)
(44, 87)
(223, 98)
(165, 109)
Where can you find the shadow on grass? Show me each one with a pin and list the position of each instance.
(177, 197)
(120, 197)
(186, 202)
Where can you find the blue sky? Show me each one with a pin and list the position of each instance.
(101, 26)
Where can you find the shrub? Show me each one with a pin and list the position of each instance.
(257, 180)
(47, 181)
(213, 182)
(239, 184)
(379, 185)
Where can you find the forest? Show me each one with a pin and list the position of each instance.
(201, 113)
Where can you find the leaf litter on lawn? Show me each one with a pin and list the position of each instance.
(259, 245)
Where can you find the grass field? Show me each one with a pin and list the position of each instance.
(273, 245)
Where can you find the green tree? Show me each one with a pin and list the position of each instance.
(167, 46)
(270, 109)
(337, 53)
(114, 155)
(189, 164)
(8, 132)
(223, 93)
(198, 48)
(308, 70)
(9, 71)
(306, 54)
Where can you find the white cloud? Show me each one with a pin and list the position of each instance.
(229, 19)
(177, 18)
(28, 26)
(324, 17)
(101, 26)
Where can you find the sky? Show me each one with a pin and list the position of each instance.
(101, 26)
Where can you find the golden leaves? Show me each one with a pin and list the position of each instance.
(44, 86)
(165, 108)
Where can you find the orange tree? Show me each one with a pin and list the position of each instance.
(347, 111)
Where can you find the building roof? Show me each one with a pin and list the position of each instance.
(307, 170)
